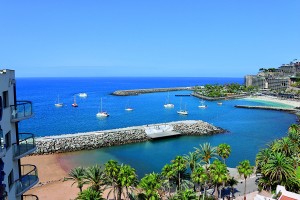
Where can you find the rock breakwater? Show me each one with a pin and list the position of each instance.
(96, 140)
(142, 91)
(93, 140)
(199, 128)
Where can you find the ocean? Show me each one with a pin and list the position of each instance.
(248, 130)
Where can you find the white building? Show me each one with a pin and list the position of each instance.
(17, 178)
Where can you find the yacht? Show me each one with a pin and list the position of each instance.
(102, 113)
(181, 111)
(83, 95)
(202, 105)
(58, 104)
(74, 104)
(168, 104)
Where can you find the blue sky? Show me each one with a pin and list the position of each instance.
(197, 38)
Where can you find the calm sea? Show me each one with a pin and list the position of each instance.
(249, 130)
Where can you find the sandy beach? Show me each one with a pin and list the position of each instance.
(293, 103)
(51, 174)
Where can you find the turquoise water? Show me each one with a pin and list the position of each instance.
(249, 130)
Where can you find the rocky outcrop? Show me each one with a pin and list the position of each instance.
(198, 128)
(142, 91)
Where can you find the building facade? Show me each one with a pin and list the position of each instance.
(16, 178)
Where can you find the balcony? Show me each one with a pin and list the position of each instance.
(30, 197)
(26, 145)
(28, 179)
(22, 110)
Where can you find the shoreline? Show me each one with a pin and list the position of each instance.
(292, 103)
(52, 173)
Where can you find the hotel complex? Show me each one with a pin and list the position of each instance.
(15, 178)
(275, 79)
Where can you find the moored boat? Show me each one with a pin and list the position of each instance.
(83, 95)
(58, 103)
(102, 113)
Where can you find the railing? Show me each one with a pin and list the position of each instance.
(26, 145)
(22, 110)
(28, 179)
(30, 197)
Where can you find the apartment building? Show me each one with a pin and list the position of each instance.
(15, 178)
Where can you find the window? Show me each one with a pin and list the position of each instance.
(5, 99)
(11, 179)
(8, 140)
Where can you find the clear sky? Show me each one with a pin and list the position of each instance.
(197, 38)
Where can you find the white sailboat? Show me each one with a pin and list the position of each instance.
(220, 103)
(128, 108)
(202, 105)
(168, 104)
(102, 113)
(181, 111)
(58, 104)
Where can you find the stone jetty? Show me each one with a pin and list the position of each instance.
(143, 91)
(291, 110)
(99, 139)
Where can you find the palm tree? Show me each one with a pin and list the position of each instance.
(185, 195)
(169, 175)
(232, 182)
(206, 152)
(245, 169)
(127, 177)
(191, 161)
(219, 174)
(90, 194)
(285, 146)
(279, 168)
(94, 176)
(262, 158)
(77, 174)
(199, 175)
(179, 167)
(224, 151)
(150, 184)
(111, 171)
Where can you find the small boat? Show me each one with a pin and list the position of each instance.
(168, 104)
(58, 104)
(102, 113)
(181, 111)
(219, 103)
(74, 104)
(127, 107)
(202, 105)
(82, 95)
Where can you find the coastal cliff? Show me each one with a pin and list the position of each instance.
(99, 139)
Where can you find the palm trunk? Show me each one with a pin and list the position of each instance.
(245, 191)
(119, 194)
(179, 181)
(204, 193)
(127, 192)
(216, 192)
